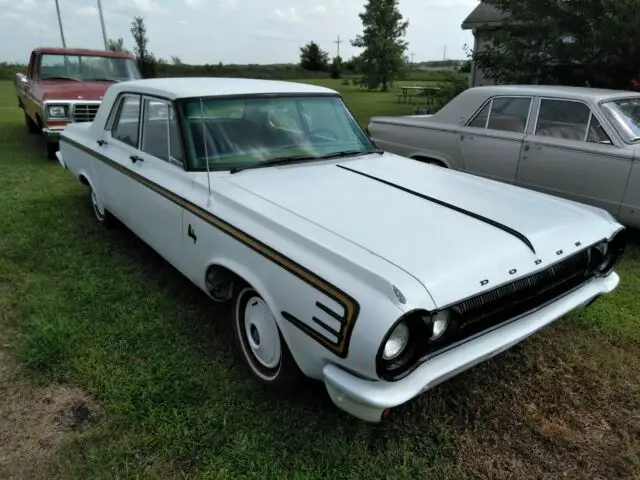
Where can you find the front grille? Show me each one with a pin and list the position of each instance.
(85, 112)
(523, 295)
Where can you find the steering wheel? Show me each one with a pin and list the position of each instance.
(333, 135)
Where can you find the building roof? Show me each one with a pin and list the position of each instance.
(484, 14)
(186, 87)
(83, 51)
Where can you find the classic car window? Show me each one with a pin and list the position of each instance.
(160, 135)
(509, 114)
(480, 120)
(563, 119)
(596, 132)
(269, 128)
(625, 116)
(127, 126)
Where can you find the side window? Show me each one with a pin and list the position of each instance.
(126, 126)
(509, 114)
(160, 134)
(563, 119)
(596, 133)
(480, 121)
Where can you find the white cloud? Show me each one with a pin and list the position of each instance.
(87, 11)
(230, 4)
(286, 16)
(195, 4)
(146, 6)
(319, 10)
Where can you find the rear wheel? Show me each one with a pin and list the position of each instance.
(102, 214)
(32, 127)
(431, 161)
(260, 342)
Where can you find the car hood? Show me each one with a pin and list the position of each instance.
(69, 90)
(455, 233)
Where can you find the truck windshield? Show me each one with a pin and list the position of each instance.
(87, 68)
(240, 133)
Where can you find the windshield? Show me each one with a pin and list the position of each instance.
(86, 68)
(235, 133)
(625, 116)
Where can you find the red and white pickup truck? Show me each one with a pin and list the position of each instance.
(67, 85)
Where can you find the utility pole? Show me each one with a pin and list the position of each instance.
(64, 44)
(444, 55)
(104, 31)
(412, 54)
(338, 42)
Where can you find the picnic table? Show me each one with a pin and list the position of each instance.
(408, 92)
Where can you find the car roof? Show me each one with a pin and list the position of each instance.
(82, 51)
(189, 87)
(578, 93)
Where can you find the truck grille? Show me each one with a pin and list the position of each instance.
(85, 112)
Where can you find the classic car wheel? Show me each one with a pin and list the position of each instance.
(102, 214)
(260, 343)
(32, 127)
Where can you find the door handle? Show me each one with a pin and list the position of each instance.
(526, 148)
(136, 158)
(101, 142)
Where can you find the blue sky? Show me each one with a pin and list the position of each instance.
(228, 31)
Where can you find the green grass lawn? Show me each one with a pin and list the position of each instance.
(98, 312)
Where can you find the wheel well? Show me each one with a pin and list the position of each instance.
(431, 161)
(83, 180)
(220, 282)
(39, 120)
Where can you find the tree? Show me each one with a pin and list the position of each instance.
(116, 45)
(144, 57)
(382, 41)
(572, 42)
(175, 60)
(336, 67)
(313, 58)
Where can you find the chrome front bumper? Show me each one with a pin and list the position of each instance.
(52, 134)
(368, 400)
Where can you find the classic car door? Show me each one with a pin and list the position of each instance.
(154, 200)
(571, 155)
(490, 143)
(119, 142)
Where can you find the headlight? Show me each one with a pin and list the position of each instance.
(440, 323)
(396, 343)
(605, 256)
(57, 111)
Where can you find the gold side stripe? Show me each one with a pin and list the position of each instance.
(351, 307)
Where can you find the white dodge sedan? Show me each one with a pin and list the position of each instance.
(376, 274)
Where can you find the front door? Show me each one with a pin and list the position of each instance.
(490, 143)
(570, 155)
(156, 204)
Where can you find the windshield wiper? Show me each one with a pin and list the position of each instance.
(101, 79)
(61, 77)
(275, 161)
(298, 158)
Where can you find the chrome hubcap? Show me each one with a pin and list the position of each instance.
(262, 333)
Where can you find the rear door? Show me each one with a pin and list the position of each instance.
(571, 155)
(490, 143)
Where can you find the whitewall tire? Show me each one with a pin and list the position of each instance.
(101, 213)
(260, 342)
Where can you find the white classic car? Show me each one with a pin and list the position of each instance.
(376, 274)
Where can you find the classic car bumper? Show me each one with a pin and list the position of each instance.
(61, 160)
(368, 400)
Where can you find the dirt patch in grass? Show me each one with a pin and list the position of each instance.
(35, 420)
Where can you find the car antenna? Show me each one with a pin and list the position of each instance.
(206, 154)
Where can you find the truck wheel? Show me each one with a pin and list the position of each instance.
(260, 342)
(52, 148)
(32, 127)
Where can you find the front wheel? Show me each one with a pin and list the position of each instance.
(260, 342)
(32, 127)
